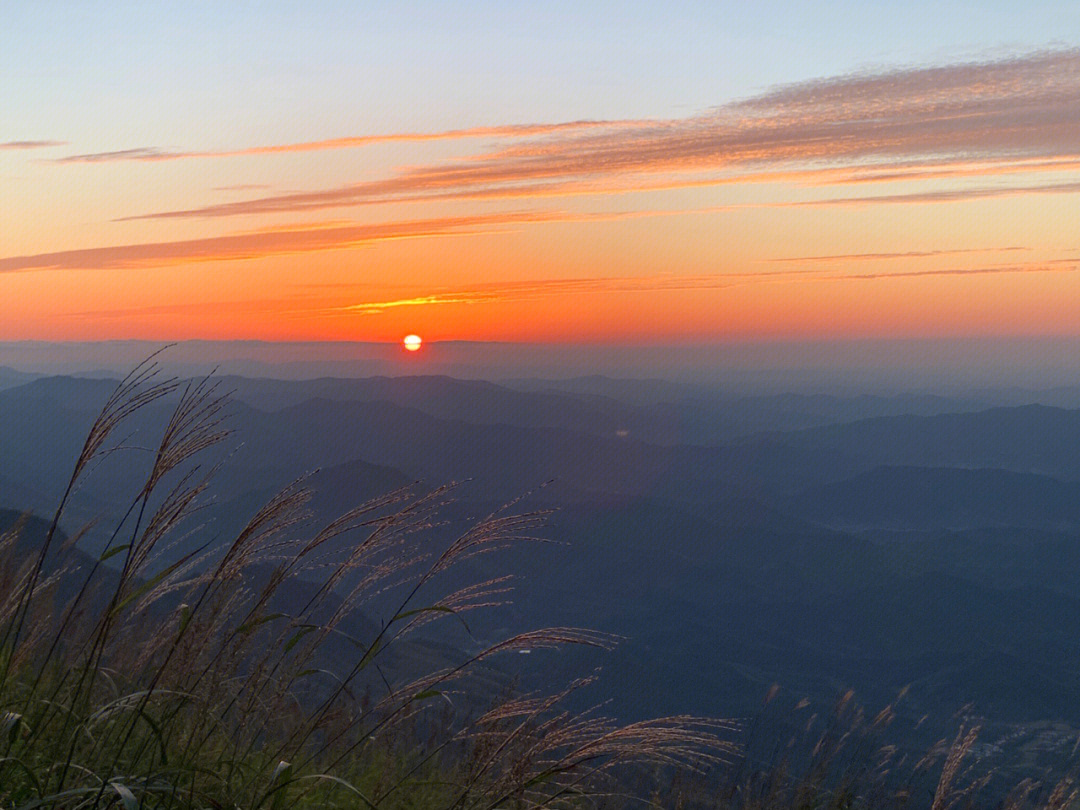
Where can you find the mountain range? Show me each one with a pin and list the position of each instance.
(815, 542)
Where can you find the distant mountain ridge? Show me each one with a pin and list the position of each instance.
(1028, 438)
(9, 377)
(922, 498)
(728, 564)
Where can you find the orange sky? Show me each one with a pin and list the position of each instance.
(939, 200)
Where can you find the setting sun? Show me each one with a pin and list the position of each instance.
(752, 322)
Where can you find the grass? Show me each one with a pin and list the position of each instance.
(796, 758)
(174, 671)
(218, 679)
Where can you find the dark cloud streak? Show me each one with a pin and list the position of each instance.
(30, 144)
(156, 154)
(257, 245)
(987, 114)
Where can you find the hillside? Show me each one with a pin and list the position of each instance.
(788, 557)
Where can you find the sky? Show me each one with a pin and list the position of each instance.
(582, 173)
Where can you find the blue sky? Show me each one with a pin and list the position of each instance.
(220, 74)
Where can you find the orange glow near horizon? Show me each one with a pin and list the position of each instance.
(743, 223)
(942, 305)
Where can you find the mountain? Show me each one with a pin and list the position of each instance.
(1030, 438)
(402, 660)
(936, 549)
(648, 410)
(9, 377)
(502, 461)
(927, 498)
(628, 390)
(474, 401)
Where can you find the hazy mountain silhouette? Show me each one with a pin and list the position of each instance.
(922, 498)
(940, 550)
(10, 377)
(1030, 438)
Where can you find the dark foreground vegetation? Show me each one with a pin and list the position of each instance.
(866, 542)
(216, 681)
(156, 662)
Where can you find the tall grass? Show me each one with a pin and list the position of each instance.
(217, 678)
(796, 758)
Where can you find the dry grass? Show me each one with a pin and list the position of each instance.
(844, 760)
(142, 680)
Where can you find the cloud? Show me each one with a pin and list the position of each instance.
(945, 195)
(307, 237)
(531, 290)
(143, 153)
(243, 187)
(980, 118)
(259, 244)
(949, 170)
(1044, 267)
(909, 254)
(504, 292)
(30, 144)
(155, 154)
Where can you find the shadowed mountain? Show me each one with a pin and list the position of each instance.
(404, 658)
(47, 420)
(1030, 438)
(924, 498)
(334, 491)
(647, 410)
(503, 461)
(630, 391)
(724, 566)
(473, 401)
(9, 377)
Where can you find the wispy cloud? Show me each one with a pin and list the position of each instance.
(30, 144)
(506, 292)
(973, 119)
(950, 170)
(243, 187)
(946, 195)
(153, 154)
(1043, 267)
(531, 290)
(306, 237)
(908, 254)
(260, 244)
(141, 153)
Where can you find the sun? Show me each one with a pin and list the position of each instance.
(411, 343)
